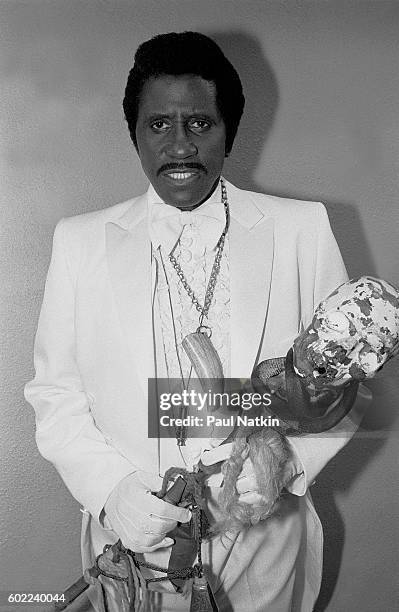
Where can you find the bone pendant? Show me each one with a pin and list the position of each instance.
(205, 361)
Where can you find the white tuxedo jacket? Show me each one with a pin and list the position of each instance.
(94, 344)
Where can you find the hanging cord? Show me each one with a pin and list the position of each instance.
(138, 597)
(193, 497)
(180, 431)
(173, 319)
(134, 588)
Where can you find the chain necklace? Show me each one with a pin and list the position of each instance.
(210, 290)
(197, 345)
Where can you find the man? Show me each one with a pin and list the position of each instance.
(127, 284)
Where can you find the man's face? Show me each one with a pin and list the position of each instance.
(181, 138)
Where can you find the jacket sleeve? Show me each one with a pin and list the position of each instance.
(312, 452)
(66, 433)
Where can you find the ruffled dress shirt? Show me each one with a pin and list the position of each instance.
(192, 237)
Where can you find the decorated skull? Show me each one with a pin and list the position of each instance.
(352, 334)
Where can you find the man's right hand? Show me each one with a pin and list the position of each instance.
(141, 519)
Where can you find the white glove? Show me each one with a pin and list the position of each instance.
(141, 519)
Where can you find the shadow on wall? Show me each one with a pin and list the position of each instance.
(261, 103)
(262, 99)
(341, 473)
(344, 215)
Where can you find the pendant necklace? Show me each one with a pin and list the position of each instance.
(197, 345)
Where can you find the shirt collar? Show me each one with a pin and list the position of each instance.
(160, 213)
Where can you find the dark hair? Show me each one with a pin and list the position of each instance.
(186, 53)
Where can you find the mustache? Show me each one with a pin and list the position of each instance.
(181, 167)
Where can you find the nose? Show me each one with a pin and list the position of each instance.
(181, 144)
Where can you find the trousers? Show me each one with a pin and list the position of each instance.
(254, 569)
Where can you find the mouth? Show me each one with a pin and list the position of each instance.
(180, 176)
(182, 173)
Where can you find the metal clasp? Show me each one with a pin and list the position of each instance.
(204, 329)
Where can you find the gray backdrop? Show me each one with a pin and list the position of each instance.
(322, 85)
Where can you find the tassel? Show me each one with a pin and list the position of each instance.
(202, 599)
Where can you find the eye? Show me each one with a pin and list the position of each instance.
(199, 125)
(159, 125)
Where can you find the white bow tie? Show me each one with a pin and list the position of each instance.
(167, 224)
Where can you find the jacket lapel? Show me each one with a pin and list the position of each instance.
(251, 264)
(129, 261)
(251, 248)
